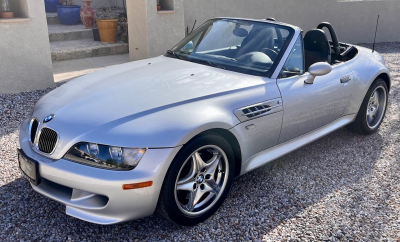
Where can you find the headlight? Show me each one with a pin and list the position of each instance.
(103, 156)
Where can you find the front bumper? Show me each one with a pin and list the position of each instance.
(96, 195)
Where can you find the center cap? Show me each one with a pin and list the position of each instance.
(200, 179)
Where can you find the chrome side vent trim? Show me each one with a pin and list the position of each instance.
(258, 110)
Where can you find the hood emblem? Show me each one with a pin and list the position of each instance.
(48, 118)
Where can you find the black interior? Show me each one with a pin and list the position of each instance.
(318, 48)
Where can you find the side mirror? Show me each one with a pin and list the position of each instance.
(318, 69)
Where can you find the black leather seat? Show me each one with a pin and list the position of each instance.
(316, 47)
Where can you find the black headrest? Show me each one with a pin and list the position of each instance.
(316, 40)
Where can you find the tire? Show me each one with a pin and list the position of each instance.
(208, 192)
(365, 124)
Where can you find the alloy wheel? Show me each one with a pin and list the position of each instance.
(376, 107)
(201, 180)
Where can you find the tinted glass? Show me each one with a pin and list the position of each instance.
(238, 45)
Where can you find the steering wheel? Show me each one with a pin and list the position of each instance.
(271, 53)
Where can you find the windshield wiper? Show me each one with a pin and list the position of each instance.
(208, 63)
(174, 54)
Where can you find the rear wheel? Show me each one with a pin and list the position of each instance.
(372, 110)
(197, 181)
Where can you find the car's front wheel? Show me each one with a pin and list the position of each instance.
(197, 181)
(372, 110)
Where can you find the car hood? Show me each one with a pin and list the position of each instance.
(134, 90)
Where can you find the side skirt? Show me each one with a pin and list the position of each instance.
(280, 150)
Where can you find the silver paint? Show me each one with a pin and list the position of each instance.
(164, 105)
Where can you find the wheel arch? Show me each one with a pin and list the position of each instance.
(386, 77)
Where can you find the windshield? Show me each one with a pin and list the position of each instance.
(243, 46)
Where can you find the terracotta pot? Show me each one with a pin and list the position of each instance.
(158, 7)
(108, 29)
(87, 14)
(6, 14)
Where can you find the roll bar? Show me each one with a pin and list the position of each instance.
(333, 36)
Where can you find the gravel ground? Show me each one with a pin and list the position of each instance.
(343, 187)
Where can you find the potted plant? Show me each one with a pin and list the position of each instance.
(68, 13)
(51, 5)
(107, 22)
(123, 27)
(158, 5)
(5, 11)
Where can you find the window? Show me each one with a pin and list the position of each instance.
(294, 65)
(244, 46)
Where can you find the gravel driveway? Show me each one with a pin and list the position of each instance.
(343, 187)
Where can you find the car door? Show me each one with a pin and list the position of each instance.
(310, 106)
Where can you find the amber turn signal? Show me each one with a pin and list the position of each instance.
(137, 185)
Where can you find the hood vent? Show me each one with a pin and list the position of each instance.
(258, 110)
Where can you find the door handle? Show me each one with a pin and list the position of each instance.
(345, 79)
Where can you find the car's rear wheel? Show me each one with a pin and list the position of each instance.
(373, 109)
(197, 181)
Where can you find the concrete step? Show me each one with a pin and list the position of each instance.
(84, 48)
(59, 32)
(52, 18)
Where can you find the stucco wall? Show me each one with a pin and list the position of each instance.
(152, 33)
(354, 21)
(165, 30)
(25, 59)
(102, 3)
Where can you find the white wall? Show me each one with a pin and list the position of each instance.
(152, 33)
(354, 22)
(25, 59)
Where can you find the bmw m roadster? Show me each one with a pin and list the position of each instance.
(170, 133)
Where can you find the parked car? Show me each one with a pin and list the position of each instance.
(170, 133)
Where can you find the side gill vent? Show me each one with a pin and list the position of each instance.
(255, 111)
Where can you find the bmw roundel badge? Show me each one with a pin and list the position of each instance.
(48, 118)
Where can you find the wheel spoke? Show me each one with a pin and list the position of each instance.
(188, 186)
(369, 116)
(213, 164)
(190, 205)
(376, 98)
(200, 164)
(212, 186)
(191, 175)
(198, 195)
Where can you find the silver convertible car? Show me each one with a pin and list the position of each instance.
(171, 133)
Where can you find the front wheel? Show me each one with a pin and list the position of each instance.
(372, 110)
(197, 181)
